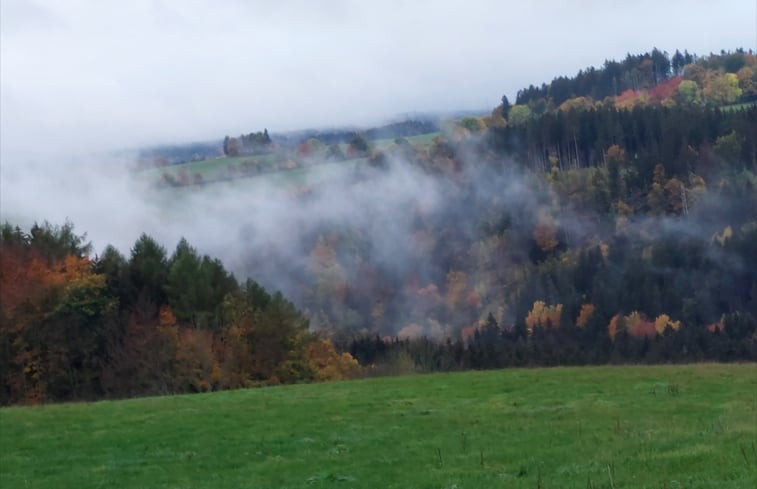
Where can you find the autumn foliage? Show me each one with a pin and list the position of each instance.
(638, 326)
(587, 312)
(542, 315)
(328, 364)
(76, 328)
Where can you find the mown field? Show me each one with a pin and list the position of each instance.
(612, 427)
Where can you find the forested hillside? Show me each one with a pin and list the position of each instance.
(75, 327)
(609, 217)
(653, 78)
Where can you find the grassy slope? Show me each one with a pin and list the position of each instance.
(647, 427)
(217, 168)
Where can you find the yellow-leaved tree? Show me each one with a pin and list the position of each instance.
(328, 364)
(542, 315)
(664, 322)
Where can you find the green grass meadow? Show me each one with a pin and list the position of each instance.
(691, 426)
(217, 170)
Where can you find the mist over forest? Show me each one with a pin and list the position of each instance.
(607, 216)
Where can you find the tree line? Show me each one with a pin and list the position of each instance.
(494, 346)
(639, 72)
(78, 328)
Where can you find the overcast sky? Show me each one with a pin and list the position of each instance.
(111, 74)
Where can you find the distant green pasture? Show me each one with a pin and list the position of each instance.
(270, 167)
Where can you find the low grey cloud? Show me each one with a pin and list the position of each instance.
(79, 75)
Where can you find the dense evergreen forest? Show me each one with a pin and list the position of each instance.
(609, 217)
